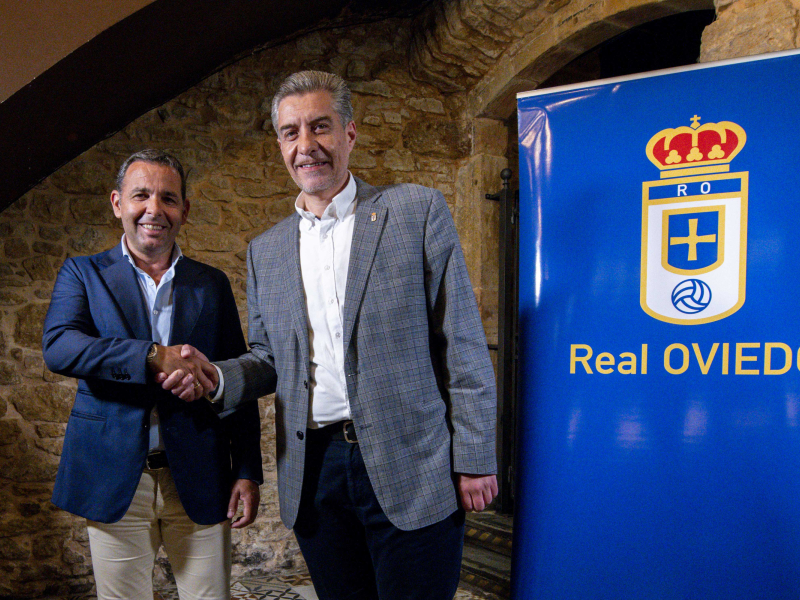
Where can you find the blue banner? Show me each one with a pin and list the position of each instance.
(660, 336)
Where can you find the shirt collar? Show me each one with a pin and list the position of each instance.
(342, 204)
(176, 253)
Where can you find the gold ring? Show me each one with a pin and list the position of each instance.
(197, 384)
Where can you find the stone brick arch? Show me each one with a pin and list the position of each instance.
(492, 49)
(538, 57)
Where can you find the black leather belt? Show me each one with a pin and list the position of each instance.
(343, 431)
(156, 461)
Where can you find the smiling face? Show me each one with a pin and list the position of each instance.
(152, 210)
(314, 144)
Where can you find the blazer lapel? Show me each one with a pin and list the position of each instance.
(120, 278)
(369, 221)
(295, 294)
(188, 297)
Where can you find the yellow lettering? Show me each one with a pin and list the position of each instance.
(644, 359)
(740, 358)
(627, 367)
(725, 358)
(787, 361)
(705, 365)
(584, 360)
(604, 359)
(667, 364)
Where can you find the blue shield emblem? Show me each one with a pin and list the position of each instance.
(693, 239)
(694, 247)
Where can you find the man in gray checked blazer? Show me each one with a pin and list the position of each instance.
(360, 308)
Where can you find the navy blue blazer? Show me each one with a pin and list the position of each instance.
(97, 330)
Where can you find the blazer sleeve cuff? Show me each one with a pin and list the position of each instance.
(216, 395)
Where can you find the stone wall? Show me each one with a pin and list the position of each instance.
(748, 27)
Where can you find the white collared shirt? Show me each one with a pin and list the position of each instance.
(159, 302)
(324, 258)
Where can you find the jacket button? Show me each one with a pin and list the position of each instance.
(305, 384)
(300, 435)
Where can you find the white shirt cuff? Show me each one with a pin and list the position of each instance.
(216, 397)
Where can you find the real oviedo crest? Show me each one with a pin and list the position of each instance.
(694, 225)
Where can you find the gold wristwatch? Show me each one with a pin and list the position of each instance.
(152, 353)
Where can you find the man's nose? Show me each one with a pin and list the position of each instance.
(154, 205)
(307, 142)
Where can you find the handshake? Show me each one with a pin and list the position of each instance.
(183, 370)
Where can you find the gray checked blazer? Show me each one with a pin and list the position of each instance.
(419, 378)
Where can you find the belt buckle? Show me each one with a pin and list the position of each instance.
(150, 465)
(346, 436)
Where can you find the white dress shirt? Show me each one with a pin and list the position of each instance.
(159, 301)
(324, 258)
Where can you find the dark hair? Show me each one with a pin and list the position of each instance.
(305, 82)
(157, 157)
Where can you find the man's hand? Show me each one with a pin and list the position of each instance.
(185, 371)
(476, 491)
(246, 492)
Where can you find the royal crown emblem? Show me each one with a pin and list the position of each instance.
(695, 149)
(694, 225)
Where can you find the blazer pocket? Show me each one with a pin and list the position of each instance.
(394, 275)
(87, 416)
(398, 264)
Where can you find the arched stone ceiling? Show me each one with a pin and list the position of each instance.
(140, 62)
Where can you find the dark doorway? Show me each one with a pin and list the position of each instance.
(668, 42)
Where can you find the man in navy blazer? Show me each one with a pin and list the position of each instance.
(363, 321)
(142, 466)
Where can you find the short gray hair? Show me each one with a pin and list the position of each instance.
(154, 157)
(305, 82)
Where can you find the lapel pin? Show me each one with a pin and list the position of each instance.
(373, 217)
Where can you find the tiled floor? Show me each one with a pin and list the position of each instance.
(295, 587)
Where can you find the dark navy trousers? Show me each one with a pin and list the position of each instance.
(352, 550)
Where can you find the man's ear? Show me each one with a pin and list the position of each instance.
(186, 207)
(115, 198)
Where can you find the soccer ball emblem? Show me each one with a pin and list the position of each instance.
(691, 296)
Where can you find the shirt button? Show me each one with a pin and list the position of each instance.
(338, 335)
(331, 301)
(300, 435)
(155, 311)
(327, 267)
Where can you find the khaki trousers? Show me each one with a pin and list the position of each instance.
(123, 553)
